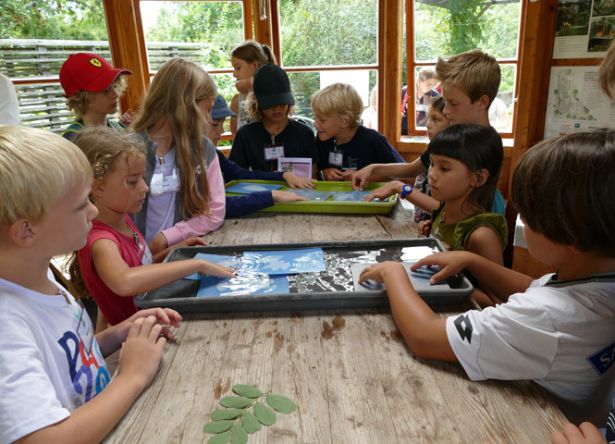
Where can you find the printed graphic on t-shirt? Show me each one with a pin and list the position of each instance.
(464, 327)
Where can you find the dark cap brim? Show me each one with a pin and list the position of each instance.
(269, 101)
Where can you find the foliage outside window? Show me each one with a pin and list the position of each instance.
(443, 28)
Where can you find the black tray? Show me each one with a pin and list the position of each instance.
(340, 294)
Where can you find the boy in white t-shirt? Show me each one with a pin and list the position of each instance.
(54, 383)
(558, 330)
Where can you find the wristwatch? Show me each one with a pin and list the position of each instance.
(405, 190)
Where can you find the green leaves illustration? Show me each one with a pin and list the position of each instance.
(245, 414)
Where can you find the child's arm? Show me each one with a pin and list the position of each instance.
(418, 198)
(128, 281)
(485, 242)
(190, 242)
(390, 170)
(422, 329)
(139, 362)
(498, 280)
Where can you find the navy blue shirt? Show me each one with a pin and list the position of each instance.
(237, 206)
(248, 149)
(366, 147)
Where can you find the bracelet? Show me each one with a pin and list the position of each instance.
(405, 191)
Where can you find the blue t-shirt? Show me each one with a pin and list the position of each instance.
(366, 147)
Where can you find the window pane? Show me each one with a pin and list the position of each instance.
(202, 31)
(305, 84)
(502, 108)
(445, 28)
(329, 32)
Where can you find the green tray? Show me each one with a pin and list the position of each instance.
(327, 206)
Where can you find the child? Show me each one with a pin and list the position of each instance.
(237, 206)
(246, 59)
(116, 263)
(344, 145)
(558, 330)
(92, 88)
(272, 134)
(183, 173)
(54, 381)
(419, 194)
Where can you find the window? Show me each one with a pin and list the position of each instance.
(328, 41)
(441, 28)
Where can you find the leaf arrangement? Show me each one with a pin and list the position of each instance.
(245, 414)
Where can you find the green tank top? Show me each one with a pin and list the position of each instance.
(455, 235)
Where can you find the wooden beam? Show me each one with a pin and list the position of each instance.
(127, 45)
(389, 74)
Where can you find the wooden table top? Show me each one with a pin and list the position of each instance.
(350, 374)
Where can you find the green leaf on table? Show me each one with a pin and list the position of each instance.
(281, 403)
(264, 414)
(236, 402)
(222, 438)
(218, 426)
(249, 391)
(238, 435)
(220, 414)
(250, 423)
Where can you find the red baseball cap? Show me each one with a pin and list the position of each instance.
(86, 71)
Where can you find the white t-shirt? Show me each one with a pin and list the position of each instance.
(559, 334)
(9, 105)
(45, 367)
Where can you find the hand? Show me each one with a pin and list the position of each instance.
(332, 174)
(449, 262)
(347, 175)
(377, 271)
(141, 354)
(424, 227)
(191, 242)
(286, 196)
(295, 181)
(158, 243)
(385, 191)
(211, 269)
(244, 86)
(127, 117)
(360, 178)
(164, 316)
(586, 433)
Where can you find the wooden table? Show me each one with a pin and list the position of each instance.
(350, 373)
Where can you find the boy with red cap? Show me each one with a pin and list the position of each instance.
(92, 88)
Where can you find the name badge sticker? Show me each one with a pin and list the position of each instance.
(336, 158)
(155, 187)
(274, 152)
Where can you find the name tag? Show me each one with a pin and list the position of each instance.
(274, 152)
(336, 158)
(164, 183)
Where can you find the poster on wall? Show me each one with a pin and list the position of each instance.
(576, 102)
(584, 29)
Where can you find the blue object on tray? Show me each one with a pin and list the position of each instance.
(349, 196)
(249, 187)
(276, 262)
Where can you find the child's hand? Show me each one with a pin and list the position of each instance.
(424, 227)
(359, 178)
(385, 191)
(586, 433)
(377, 271)
(347, 175)
(332, 174)
(212, 269)
(286, 196)
(449, 262)
(191, 242)
(142, 351)
(164, 316)
(295, 181)
(127, 117)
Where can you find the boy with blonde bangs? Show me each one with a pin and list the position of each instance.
(469, 81)
(344, 145)
(53, 378)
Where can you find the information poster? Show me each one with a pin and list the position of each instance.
(585, 28)
(576, 102)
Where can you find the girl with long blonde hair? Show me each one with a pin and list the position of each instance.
(183, 173)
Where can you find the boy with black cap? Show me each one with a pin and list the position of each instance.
(272, 134)
(237, 206)
(92, 88)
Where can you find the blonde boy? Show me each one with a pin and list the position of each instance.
(344, 145)
(470, 81)
(54, 383)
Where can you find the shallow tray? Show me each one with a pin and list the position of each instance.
(332, 289)
(327, 206)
